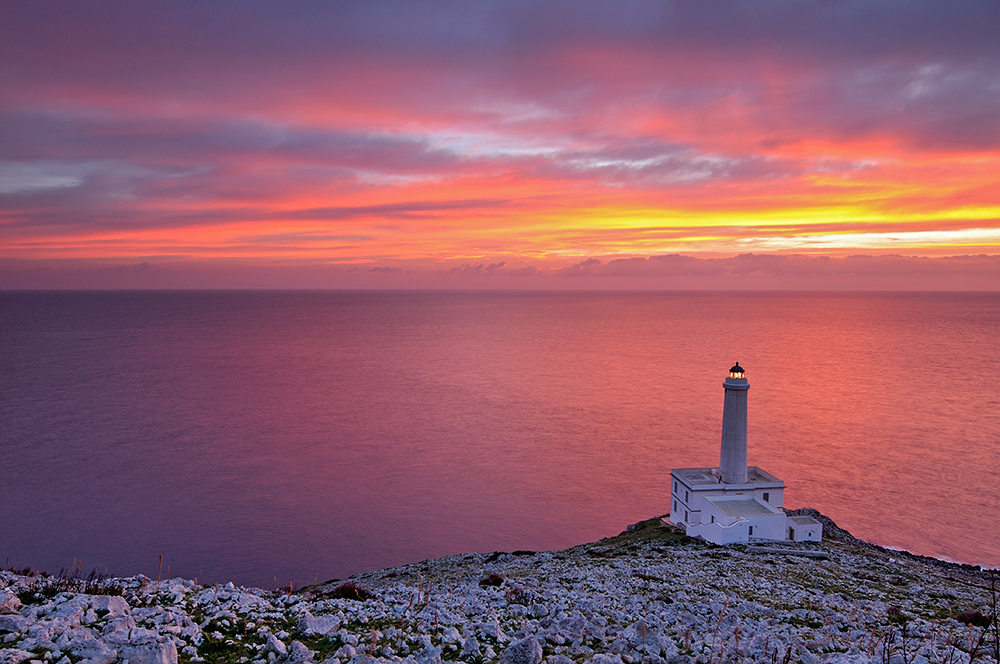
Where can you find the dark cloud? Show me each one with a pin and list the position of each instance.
(402, 210)
(45, 134)
(857, 64)
(128, 36)
(796, 270)
(666, 272)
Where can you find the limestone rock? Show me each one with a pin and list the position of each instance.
(13, 655)
(493, 630)
(346, 652)
(298, 652)
(602, 658)
(525, 651)
(429, 655)
(118, 629)
(311, 625)
(470, 648)
(9, 602)
(363, 658)
(848, 658)
(641, 636)
(272, 644)
(558, 659)
(93, 651)
(146, 646)
(12, 623)
(113, 604)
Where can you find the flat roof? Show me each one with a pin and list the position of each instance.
(803, 520)
(710, 476)
(739, 506)
(697, 475)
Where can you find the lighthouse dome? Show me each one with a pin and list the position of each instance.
(737, 373)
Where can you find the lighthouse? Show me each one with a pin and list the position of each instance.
(735, 502)
(733, 460)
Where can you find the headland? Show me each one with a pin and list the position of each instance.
(650, 595)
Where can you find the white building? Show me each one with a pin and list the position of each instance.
(734, 502)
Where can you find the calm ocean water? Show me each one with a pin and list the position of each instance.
(268, 437)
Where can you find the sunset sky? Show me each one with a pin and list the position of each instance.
(637, 144)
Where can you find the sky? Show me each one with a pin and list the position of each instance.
(828, 144)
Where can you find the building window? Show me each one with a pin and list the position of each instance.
(685, 516)
(675, 505)
(687, 496)
(751, 531)
(767, 497)
(713, 518)
(675, 487)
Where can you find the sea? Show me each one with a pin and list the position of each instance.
(274, 438)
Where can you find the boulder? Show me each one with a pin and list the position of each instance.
(71, 612)
(525, 651)
(113, 604)
(297, 653)
(848, 658)
(363, 658)
(9, 602)
(73, 636)
(45, 630)
(118, 628)
(12, 623)
(641, 637)
(161, 651)
(346, 652)
(274, 645)
(493, 630)
(470, 648)
(429, 655)
(605, 659)
(141, 646)
(92, 651)
(311, 625)
(13, 655)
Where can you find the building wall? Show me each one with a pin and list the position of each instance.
(681, 508)
(769, 527)
(804, 533)
(775, 497)
(684, 498)
(689, 508)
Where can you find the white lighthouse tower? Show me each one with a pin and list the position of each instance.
(735, 502)
(733, 460)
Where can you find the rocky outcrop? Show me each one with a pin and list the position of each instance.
(648, 596)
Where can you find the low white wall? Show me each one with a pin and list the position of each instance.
(716, 533)
(765, 526)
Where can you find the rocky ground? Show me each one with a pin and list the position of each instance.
(648, 596)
